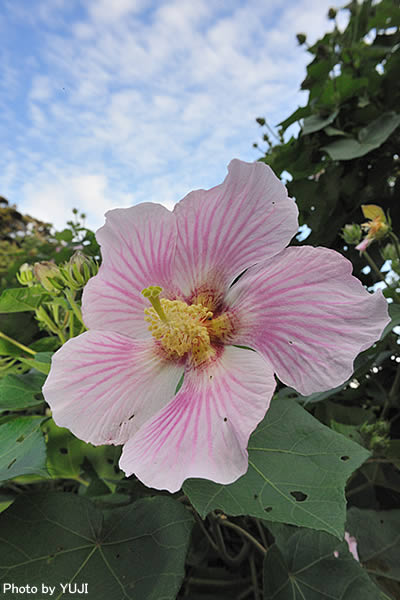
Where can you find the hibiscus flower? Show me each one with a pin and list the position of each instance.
(207, 291)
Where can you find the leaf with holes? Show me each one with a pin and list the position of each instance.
(21, 391)
(130, 553)
(22, 448)
(297, 473)
(312, 564)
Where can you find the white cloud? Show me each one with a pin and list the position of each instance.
(133, 100)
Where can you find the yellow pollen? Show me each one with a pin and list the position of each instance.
(180, 328)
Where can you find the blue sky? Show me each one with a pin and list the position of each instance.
(108, 103)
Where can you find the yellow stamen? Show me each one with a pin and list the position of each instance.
(179, 327)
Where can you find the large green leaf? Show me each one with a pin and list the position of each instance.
(302, 566)
(21, 299)
(131, 553)
(297, 472)
(371, 137)
(22, 448)
(21, 391)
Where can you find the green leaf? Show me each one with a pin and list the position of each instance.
(65, 235)
(41, 362)
(66, 455)
(21, 391)
(316, 123)
(394, 313)
(9, 349)
(23, 450)
(300, 113)
(21, 299)
(341, 88)
(297, 472)
(131, 553)
(371, 137)
(334, 131)
(349, 431)
(301, 565)
(46, 344)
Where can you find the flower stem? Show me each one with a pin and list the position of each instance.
(18, 344)
(375, 267)
(225, 523)
(42, 315)
(75, 308)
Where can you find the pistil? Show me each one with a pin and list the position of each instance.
(152, 293)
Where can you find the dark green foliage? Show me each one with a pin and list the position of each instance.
(127, 553)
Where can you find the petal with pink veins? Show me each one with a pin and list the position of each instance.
(204, 430)
(138, 248)
(103, 386)
(232, 226)
(307, 315)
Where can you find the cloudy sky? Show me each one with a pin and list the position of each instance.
(108, 103)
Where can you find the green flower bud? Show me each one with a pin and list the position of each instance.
(48, 275)
(389, 252)
(25, 276)
(379, 443)
(376, 435)
(78, 270)
(351, 233)
(301, 38)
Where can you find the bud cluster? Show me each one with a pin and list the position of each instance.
(73, 274)
(376, 435)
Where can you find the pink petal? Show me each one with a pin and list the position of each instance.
(306, 313)
(204, 430)
(138, 247)
(104, 386)
(352, 544)
(363, 245)
(224, 230)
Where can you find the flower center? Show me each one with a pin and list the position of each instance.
(179, 327)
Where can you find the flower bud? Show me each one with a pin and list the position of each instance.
(48, 275)
(332, 13)
(351, 233)
(78, 270)
(25, 275)
(377, 227)
(376, 435)
(389, 252)
(301, 38)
